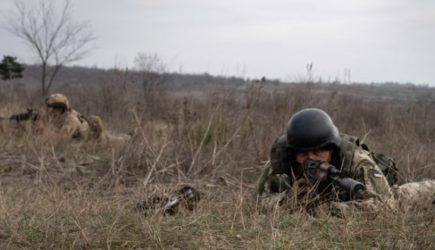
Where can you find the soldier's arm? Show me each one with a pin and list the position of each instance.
(273, 178)
(378, 194)
(366, 171)
(268, 199)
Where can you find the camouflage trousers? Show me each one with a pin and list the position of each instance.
(408, 196)
(415, 194)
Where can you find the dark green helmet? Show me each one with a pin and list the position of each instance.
(312, 129)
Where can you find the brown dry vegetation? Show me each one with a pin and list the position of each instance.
(56, 194)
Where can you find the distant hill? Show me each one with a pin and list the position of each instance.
(85, 75)
(177, 81)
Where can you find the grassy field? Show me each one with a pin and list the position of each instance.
(57, 195)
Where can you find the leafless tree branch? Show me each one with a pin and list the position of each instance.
(48, 28)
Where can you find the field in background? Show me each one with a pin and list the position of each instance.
(212, 133)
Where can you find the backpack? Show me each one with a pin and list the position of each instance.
(96, 125)
(386, 164)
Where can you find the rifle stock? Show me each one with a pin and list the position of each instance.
(187, 196)
(30, 115)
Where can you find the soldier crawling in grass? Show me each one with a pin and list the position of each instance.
(66, 120)
(72, 124)
(316, 168)
(61, 119)
(69, 122)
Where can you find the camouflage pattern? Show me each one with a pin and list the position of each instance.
(356, 163)
(415, 194)
(279, 185)
(364, 169)
(99, 133)
(96, 126)
(70, 124)
(60, 120)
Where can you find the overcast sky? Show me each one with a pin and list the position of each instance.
(378, 40)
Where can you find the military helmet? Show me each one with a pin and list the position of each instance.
(312, 129)
(57, 101)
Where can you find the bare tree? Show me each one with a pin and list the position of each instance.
(153, 77)
(48, 28)
(149, 63)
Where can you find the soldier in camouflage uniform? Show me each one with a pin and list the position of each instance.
(72, 124)
(68, 121)
(291, 180)
(63, 121)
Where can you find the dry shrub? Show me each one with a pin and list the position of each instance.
(57, 194)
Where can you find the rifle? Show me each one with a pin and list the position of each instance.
(30, 115)
(187, 196)
(353, 187)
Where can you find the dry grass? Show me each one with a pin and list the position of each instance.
(60, 195)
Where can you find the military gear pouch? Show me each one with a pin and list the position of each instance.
(387, 166)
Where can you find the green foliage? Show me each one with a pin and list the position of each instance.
(207, 133)
(31, 231)
(10, 68)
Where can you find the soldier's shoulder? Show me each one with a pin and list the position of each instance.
(360, 155)
(72, 117)
(71, 114)
(280, 142)
(74, 112)
(279, 155)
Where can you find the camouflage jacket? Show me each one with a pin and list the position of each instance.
(71, 124)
